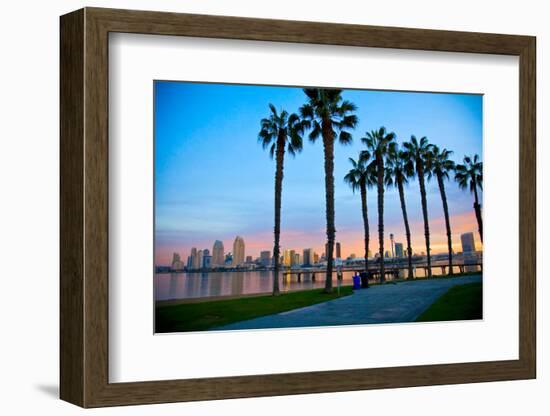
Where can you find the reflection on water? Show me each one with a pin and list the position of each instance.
(199, 285)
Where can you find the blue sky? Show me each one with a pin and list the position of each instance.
(214, 181)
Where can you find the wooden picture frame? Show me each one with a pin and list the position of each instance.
(84, 207)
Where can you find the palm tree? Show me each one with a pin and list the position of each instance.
(470, 174)
(399, 169)
(417, 152)
(359, 178)
(439, 165)
(280, 132)
(330, 117)
(377, 143)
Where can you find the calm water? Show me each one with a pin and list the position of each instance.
(199, 285)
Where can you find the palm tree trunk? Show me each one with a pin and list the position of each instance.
(278, 195)
(447, 221)
(477, 209)
(407, 229)
(380, 177)
(365, 223)
(420, 174)
(328, 144)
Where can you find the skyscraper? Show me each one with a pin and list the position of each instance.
(399, 250)
(468, 244)
(177, 264)
(288, 257)
(238, 251)
(217, 254)
(265, 258)
(200, 255)
(194, 259)
(296, 259)
(392, 245)
(308, 256)
(337, 253)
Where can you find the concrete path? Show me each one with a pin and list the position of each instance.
(402, 302)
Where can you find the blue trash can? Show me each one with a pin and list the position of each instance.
(356, 282)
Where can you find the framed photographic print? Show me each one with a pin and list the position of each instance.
(256, 207)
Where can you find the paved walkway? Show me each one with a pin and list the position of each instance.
(402, 302)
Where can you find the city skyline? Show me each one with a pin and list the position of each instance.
(214, 182)
(309, 256)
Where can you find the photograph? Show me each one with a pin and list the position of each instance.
(298, 206)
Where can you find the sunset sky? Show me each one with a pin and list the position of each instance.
(213, 180)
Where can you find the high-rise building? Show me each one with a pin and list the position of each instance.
(177, 264)
(392, 245)
(238, 251)
(288, 257)
(194, 259)
(387, 254)
(265, 258)
(399, 250)
(200, 255)
(206, 261)
(337, 251)
(249, 259)
(217, 254)
(296, 259)
(468, 244)
(308, 256)
(315, 258)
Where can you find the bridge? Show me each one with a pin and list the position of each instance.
(391, 270)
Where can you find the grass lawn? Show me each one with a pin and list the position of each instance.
(199, 316)
(461, 302)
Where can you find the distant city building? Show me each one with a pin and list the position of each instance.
(308, 256)
(296, 259)
(468, 244)
(315, 258)
(337, 253)
(177, 264)
(265, 258)
(194, 259)
(352, 256)
(200, 255)
(218, 254)
(228, 259)
(399, 250)
(288, 257)
(392, 245)
(206, 260)
(249, 259)
(387, 254)
(238, 251)
(369, 253)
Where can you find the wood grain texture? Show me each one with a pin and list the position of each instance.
(84, 207)
(71, 213)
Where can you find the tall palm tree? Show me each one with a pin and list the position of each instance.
(280, 132)
(377, 143)
(399, 169)
(359, 178)
(439, 165)
(329, 117)
(417, 152)
(470, 174)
